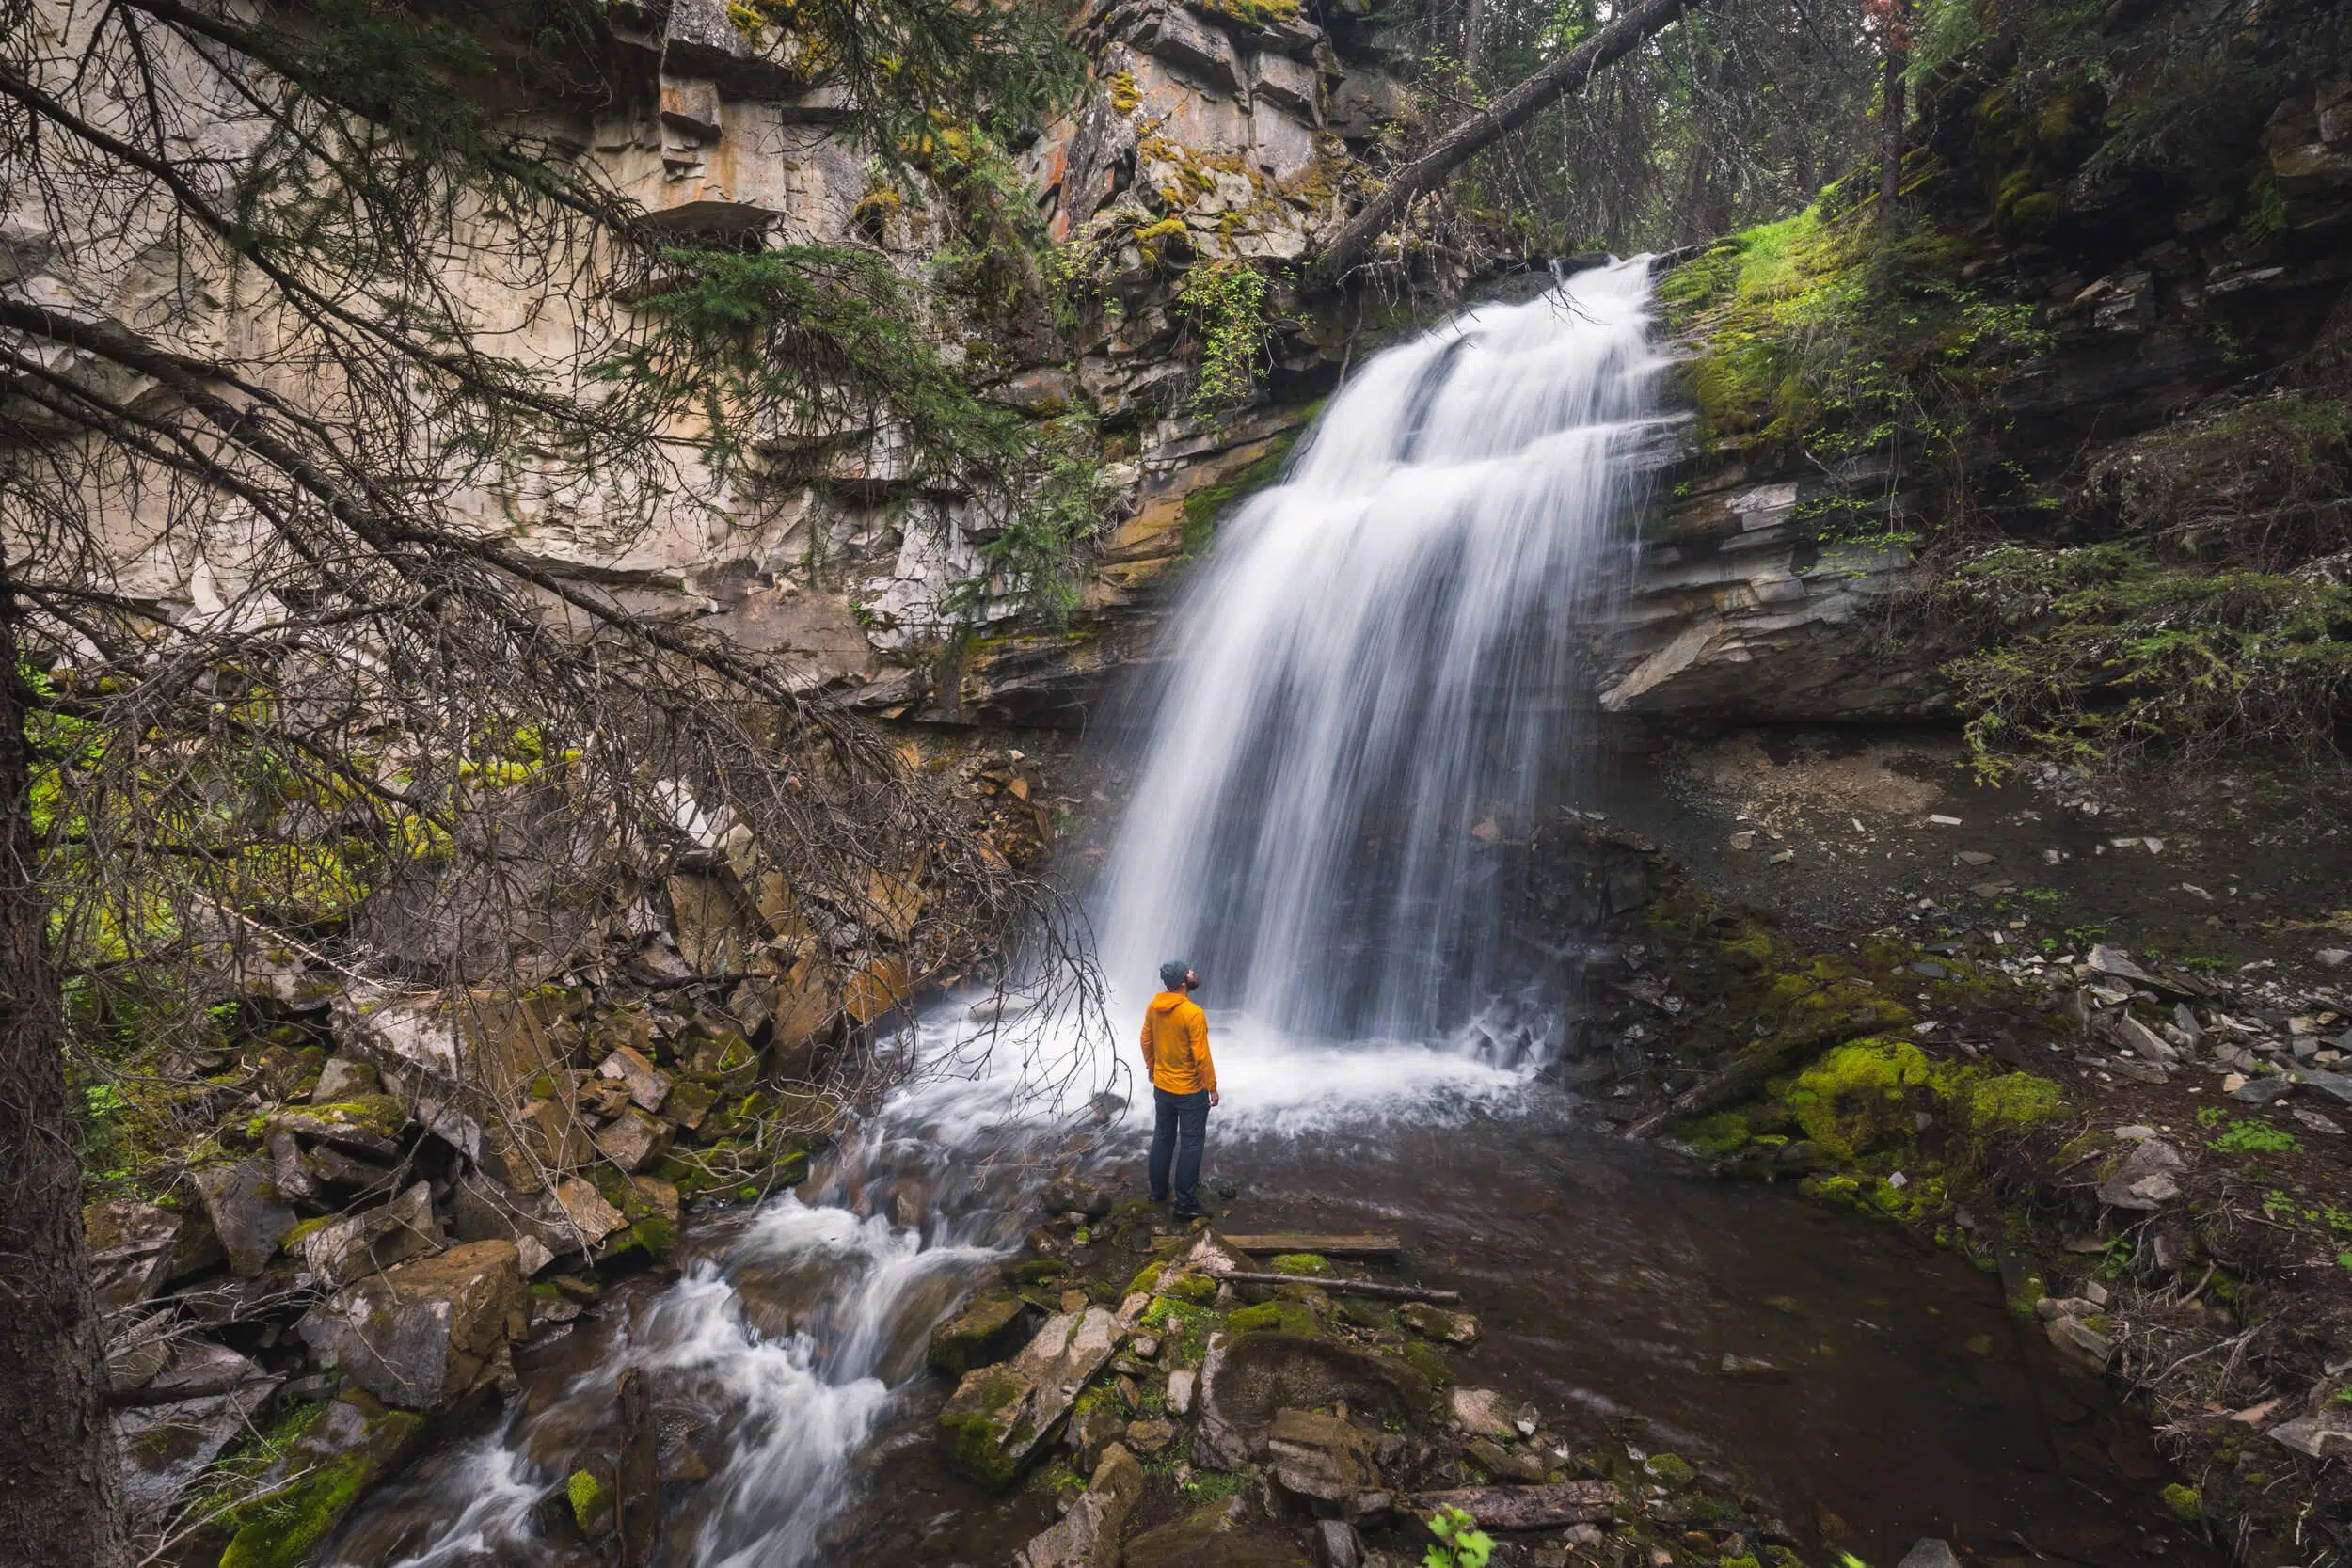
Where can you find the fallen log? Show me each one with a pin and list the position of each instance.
(1572, 69)
(1347, 1286)
(1567, 1502)
(1377, 1247)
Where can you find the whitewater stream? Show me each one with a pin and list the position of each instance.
(1371, 682)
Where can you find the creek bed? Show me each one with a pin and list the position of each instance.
(1615, 1279)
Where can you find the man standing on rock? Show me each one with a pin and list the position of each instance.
(1183, 1086)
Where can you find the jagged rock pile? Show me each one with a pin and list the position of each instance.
(366, 1236)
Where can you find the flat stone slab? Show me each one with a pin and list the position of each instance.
(1567, 1502)
(167, 1447)
(1247, 1378)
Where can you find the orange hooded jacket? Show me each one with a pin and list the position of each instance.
(1176, 1044)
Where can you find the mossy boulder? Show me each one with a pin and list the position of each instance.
(1001, 1418)
(243, 1203)
(988, 1427)
(1859, 1096)
(1183, 1330)
(369, 1124)
(1425, 1358)
(1672, 1470)
(1455, 1328)
(1864, 1095)
(592, 1503)
(1312, 1264)
(345, 1447)
(1197, 1288)
(423, 1333)
(1719, 1136)
(991, 1326)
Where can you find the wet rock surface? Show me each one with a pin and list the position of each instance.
(1345, 1426)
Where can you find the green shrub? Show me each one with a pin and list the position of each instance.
(1226, 303)
(2096, 654)
(2256, 1137)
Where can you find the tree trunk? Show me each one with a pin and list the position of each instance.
(60, 1489)
(1570, 71)
(1473, 17)
(1891, 112)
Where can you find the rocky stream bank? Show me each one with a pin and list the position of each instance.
(2017, 1027)
(2091, 1041)
(336, 1220)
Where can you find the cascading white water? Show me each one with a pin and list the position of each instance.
(1370, 672)
(1368, 682)
(782, 1345)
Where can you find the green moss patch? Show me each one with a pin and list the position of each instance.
(346, 1446)
(1183, 1329)
(1205, 506)
(1425, 1358)
(1276, 1316)
(1186, 1285)
(1829, 331)
(591, 1500)
(1672, 1470)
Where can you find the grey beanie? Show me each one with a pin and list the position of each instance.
(1173, 975)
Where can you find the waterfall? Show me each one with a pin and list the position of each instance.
(1371, 676)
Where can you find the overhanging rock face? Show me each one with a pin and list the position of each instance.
(1737, 609)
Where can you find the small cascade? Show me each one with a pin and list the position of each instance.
(783, 1338)
(1372, 683)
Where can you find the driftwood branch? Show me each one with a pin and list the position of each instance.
(1347, 1286)
(1570, 71)
(1571, 1502)
(1746, 1071)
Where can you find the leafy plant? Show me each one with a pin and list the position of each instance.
(2256, 1137)
(1460, 1543)
(1226, 303)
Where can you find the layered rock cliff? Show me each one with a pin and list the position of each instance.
(2086, 268)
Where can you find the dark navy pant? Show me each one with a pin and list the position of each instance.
(1181, 1129)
